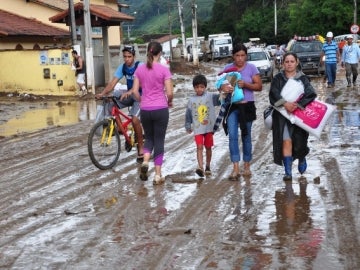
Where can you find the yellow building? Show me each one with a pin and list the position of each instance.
(35, 53)
(42, 10)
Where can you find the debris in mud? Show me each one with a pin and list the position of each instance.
(70, 212)
(317, 180)
(176, 231)
(110, 202)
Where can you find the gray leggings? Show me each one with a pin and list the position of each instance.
(155, 124)
(351, 69)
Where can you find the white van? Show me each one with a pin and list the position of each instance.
(337, 39)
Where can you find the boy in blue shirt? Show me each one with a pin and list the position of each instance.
(127, 70)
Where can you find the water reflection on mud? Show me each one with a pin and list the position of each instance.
(35, 117)
(345, 127)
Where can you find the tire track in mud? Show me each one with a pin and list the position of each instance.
(346, 231)
(205, 207)
(51, 194)
(116, 219)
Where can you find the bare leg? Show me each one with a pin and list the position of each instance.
(199, 151)
(208, 156)
(139, 135)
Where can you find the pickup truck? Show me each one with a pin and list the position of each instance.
(309, 53)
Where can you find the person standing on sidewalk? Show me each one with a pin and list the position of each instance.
(332, 56)
(350, 58)
(80, 70)
(155, 80)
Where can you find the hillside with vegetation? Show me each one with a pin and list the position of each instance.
(245, 18)
(162, 16)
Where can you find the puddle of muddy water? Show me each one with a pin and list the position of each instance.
(20, 117)
(345, 127)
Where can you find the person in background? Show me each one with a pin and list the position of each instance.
(332, 56)
(127, 70)
(289, 140)
(243, 112)
(80, 70)
(200, 119)
(319, 38)
(279, 52)
(341, 45)
(350, 58)
(155, 80)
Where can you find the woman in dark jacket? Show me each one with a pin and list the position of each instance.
(289, 140)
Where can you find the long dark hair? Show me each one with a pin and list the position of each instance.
(239, 47)
(291, 53)
(154, 48)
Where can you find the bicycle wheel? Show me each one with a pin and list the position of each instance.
(103, 155)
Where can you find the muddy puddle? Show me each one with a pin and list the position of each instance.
(24, 117)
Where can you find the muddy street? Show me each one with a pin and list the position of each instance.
(58, 211)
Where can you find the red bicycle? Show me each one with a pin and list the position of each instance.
(104, 144)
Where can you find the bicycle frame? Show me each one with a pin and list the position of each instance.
(104, 143)
(122, 125)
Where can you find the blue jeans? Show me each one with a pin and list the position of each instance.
(233, 129)
(330, 69)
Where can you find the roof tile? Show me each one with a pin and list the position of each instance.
(107, 14)
(15, 25)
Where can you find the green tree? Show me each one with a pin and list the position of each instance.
(249, 18)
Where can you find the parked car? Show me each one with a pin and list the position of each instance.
(309, 53)
(271, 49)
(262, 60)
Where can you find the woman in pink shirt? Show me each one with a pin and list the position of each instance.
(156, 98)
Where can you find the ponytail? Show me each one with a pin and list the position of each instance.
(154, 48)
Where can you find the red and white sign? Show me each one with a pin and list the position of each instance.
(354, 28)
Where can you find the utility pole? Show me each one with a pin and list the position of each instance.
(182, 29)
(72, 23)
(355, 12)
(170, 32)
(88, 48)
(275, 18)
(194, 30)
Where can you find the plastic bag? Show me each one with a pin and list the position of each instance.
(268, 117)
(232, 78)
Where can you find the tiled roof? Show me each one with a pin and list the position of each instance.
(106, 16)
(54, 4)
(14, 25)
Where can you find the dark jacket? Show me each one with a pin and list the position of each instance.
(299, 136)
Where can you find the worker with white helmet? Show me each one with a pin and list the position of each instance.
(332, 56)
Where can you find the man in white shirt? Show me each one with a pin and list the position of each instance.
(350, 58)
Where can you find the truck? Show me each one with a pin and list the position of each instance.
(309, 52)
(220, 45)
(189, 42)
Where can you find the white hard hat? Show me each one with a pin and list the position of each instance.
(349, 36)
(329, 34)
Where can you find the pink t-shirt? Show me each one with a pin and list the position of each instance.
(153, 88)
